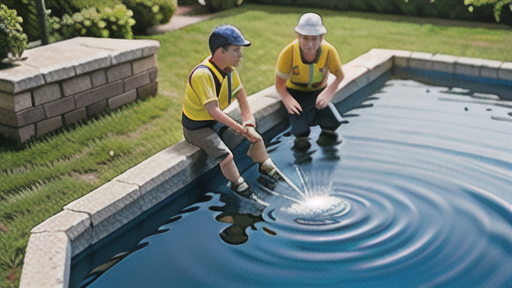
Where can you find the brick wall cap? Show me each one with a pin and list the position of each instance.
(75, 56)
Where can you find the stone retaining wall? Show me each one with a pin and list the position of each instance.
(68, 81)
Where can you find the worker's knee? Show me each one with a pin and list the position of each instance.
(227, 159)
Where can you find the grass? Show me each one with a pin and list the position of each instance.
(39, 178)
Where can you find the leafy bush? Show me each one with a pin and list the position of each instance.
(498, 5)
(219, 5)
(109, 22)
(12, 39)
(447, 9)
(100, 4)
(27, 10)
(148, 13)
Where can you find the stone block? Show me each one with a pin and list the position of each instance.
(46, 94)
(505, 72)
(136, 81)
(52, 74)
(29, 116)
(59, 107)
(20, 78)
(349, 84)
(99, 62)
(468, 66)
(8, 117)
(377, 71)
(150, 50)
(126, 56)
(119, 72)
(443, 63)
(73, 223)
(374, 58)
(144, 64)
(110, 207)
(153, 74)
(161, 167)
(121, 50)
(420, 60)
(146, 91)
(75, 116)
(98, 78)
(47, 261)
(490, 68)
(401, 62)
(96, 108)
(21, 134)
(15, 102)
(96, 94)
(76, 85)
(48, 125)
(122, 99)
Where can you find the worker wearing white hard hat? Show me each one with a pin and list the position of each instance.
(302, 69)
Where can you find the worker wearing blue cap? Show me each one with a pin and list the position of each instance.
(211, 87)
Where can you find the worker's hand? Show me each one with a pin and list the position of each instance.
(252, 135)
(323, 100)
(291, 105)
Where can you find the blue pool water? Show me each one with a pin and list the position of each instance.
(417, 194)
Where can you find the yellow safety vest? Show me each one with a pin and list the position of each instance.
(206, 84)
(308, 76)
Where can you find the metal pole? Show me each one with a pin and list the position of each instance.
(42, 21)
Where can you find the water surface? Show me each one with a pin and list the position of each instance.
(418, 193)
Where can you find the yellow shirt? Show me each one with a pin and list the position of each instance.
(308, 76)
(204, 87)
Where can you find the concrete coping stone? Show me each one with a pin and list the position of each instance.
(65, 59)
(50, 244)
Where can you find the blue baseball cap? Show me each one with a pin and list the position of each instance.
(226, 35)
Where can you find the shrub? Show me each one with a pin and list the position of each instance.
(27, 10)
(109, 22)
(148, 13)
(219, 5)
(12, 41)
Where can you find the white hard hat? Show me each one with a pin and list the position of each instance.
(310, 24)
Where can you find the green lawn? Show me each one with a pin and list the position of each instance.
(39, 178)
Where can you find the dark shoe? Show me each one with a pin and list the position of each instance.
(242, 189)
(272, 174)
(266, 183)
(327, 138)
(268, 168)
(301, 144)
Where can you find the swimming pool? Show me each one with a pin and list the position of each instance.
(101, 228)
(417, 193)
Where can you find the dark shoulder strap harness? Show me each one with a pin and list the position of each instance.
(215, 79)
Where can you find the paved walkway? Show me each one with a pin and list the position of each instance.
(184, 16)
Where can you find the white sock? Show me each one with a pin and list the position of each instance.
(267, 164)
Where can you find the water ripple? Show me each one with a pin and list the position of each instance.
(417, 195)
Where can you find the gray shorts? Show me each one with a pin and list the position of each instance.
(208, 140)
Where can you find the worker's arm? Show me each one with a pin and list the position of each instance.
(292, 106)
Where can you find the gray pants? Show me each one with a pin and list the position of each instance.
(208, 140)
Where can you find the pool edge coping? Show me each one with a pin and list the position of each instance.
(90, 218)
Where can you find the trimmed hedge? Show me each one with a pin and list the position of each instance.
(447, 9)
(149, 13)
(107, 22)
(65, 17)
